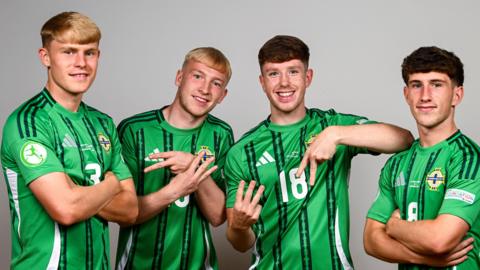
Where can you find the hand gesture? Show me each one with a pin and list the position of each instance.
(188, 181)
(321, 149)
(246, 210)
(177, 161)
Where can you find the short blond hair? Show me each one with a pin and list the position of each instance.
(70, 27)
(211, 57)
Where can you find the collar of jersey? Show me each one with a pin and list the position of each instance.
(181, 131)
(285, 128)
(69, 114)
(436, 146)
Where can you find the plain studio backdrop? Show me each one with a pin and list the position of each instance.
(356, 51)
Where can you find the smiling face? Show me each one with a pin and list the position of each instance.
(200, 88)
(285, 85)
(71, 67)
(432, 98)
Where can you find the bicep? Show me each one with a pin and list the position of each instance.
(51, 190)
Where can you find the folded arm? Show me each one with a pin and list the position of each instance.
(68, 203)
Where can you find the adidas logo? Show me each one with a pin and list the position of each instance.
(265, 159)
(400, 181)
(68, 142)
(147, 158)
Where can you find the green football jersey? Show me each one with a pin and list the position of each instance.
(179, 237)
(424, 182)
(42, 137)
(300, 227)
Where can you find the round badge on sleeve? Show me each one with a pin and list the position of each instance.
(33, 154)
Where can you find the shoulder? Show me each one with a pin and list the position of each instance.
(219, 125)
(465, 154)
(138, 121)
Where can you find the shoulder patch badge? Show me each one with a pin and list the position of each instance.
(33, 154)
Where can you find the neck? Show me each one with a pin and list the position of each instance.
(176, 116)
(67, 100)
(287, 118)
(432, 136)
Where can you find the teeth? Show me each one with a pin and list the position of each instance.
(200, 99)
(285, 94)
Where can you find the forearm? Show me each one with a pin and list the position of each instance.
(382, 138)
(431, 237)
(241, 240)
(211, 201)
(379, 244)
(153, 204)
(123, 208)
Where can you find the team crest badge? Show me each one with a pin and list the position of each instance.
(310, 140)
(435, 179)
(104, 142)
(205, 153)
(33, 154)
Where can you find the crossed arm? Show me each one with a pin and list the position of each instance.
(68, 203)
(435, 242)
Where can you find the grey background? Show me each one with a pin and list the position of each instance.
(356, 51)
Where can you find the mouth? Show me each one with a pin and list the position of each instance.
(201, 100)
(79, 76)
(285, 96)
(425, 108)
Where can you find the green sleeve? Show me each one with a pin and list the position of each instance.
(128, 152)
(118, 166)
(384, 203)
(219, 175)
(30, 156)
(463, 187)
(233, 174)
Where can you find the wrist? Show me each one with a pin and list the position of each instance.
(335, 134)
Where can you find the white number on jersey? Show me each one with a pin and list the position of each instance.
(298, 185)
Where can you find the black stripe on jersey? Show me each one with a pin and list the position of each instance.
(251, 158)
(262, 124)
(142, 117)
(162, 218)
(281, 206)
(24, 113)
(63, 243)
(303, 226)
(187, 229)
(106, 243)
(421, 196)
(473, 158)
(88, 245)
(407, 181)
(94, 139)
(88, 225)
(464, 153)
(140, 155)
(252, 168)
(331, 210)
(58, 143)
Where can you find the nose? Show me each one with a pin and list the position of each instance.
(80, 60)
(205, 87)
(284, 80)
(426, 94)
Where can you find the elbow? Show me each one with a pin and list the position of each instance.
(65, 216)
(218, 219)
(130, 216)
(440, 245)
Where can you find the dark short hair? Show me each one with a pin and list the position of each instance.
(283, 48)
(427, 59)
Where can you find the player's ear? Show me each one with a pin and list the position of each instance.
(225, 92)
(44, 56)
(457, 95)
(179, 77)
